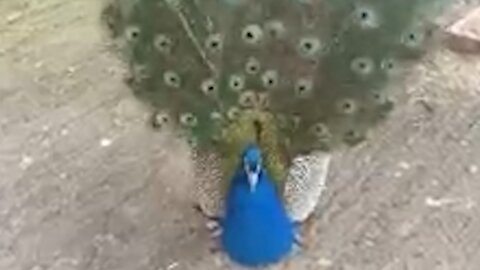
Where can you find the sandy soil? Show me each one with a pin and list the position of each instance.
(85, 184)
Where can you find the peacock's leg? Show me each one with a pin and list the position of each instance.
(213, 223)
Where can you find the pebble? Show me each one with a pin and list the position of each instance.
(105, 142)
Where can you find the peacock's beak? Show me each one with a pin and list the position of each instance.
(252, 179)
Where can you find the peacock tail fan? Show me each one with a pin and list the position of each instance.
(312, 74)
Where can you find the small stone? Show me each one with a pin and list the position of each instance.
(404, 165)
(173, 266)
(118, 122)
(38, 65)
(369, 243)
(432, 202)
(64, 132)
(26, 162)
(473, 169)
(46, 142)
(71, 70)
(429, 201)
(13, 17)
(105, 142)
(324, 262)
(397, 174)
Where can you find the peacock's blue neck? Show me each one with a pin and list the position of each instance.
(256, 227)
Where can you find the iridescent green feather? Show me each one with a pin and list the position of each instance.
(296, 76)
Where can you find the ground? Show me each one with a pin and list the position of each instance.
(85, 184)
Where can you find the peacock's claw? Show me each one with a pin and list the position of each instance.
(199, 209)
(299, 241)
(213, 223)
(308, 235)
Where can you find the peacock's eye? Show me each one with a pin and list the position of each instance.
(252, 66)
(252, 34)
(236, 82)
(188, 119)
(275, 29)
(303, 87)
(233, 113)
(270, 79)
(362, 66)
(163, 43)
(171, 79)
(366, 17)
(214, 42)
(209, 87)
(247, 99)
(132, 33)
(320, 130)
(160, 119)
(347, 106)
(413, 39)
(309, 47)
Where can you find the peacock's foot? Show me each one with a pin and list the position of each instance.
(308, 235)
(199, 209)
(213, 226)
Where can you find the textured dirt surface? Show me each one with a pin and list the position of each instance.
(85, 184)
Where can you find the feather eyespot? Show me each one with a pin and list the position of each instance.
(320, 130)
(188, 119)
(192, 141)
(303, 87)
(275, 29)
(233, 113)
(362, 66)
(252, 34)
(388, 65)
(216, 116)
(347, 106)
(209, 87)
(132, 33)
(263, 100)
(163, 43)
(413, 39)
(366, 17)
(172, 79)
(309, 47)
(236, 82)
(353, 137)
(160, 119)
(252, 66)
(247, 99)
(214, 42)
(139, 73)
(270, 79)
(379, 97)
(383, 102)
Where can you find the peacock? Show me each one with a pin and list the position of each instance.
(264, 92)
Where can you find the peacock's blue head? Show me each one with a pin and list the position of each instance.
(252, 164)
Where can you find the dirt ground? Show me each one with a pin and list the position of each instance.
(85, 184)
